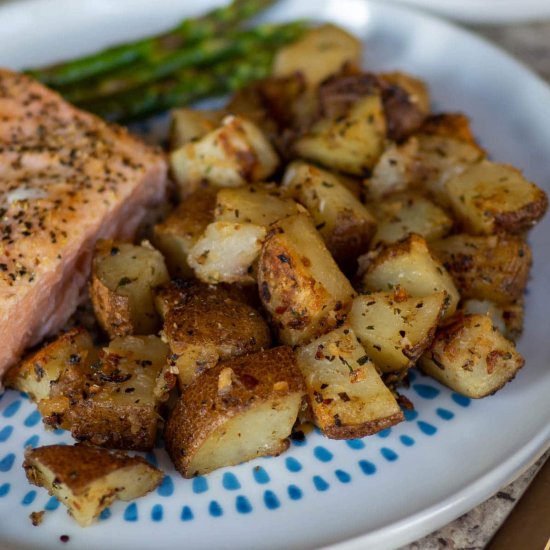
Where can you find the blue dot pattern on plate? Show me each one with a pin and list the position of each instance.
(294, 492)
(320, 483)
(157, 512)
(215, 509)
(425, 391)
(322, 454)
(186, 514)
(461, 400)
(242, 504)
(271, 501)
(260, 475)
(342, 476)
(5, 433)
(230, 482)
(131, 512)
(368, 459)
(166, 488)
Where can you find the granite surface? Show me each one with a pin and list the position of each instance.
(529, 43)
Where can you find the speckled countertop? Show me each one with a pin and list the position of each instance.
(531, 44)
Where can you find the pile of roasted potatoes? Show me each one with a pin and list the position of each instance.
(330, 234)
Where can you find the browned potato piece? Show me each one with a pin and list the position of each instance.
(37, 373)
(234, 154)
(349, 143)
(258, 204)
(300, 284)
(321, 52)
(121, 410)
(470, 356)
(208, 327)
(443, 147)
(490, 198)
(494, 268)
(416, 89)
(410, 265)
(182, 228)
(187, 125)
(344, 223)
(394, 328)
(401, 214)
(395, 170)
(226, 252)
(88, 479)
(446, 147)
(239, 410)
(507, 318)
(123, 278)
(345, 392)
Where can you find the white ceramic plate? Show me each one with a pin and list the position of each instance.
(382, 491)
(486, 11)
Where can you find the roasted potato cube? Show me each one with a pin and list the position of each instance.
(300, 284)
(123, 278)
(120, 410)
(350, 143)
(344, 223)
(321, 52)
(490, 198)
(345, 392)
(507, 318)
(395, 170)
(446, 147)
(88, 479)
(260, 205)
(36, 373)
(226, 252)
(188, 125)
(416, 89)
(239, 410)
(405, 213)
(494, 268)
(182, 228)
(208, 326)
(394, 328)
(410, 265)
(234, 154)
(470, 356)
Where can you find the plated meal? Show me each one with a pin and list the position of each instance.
(323, 237)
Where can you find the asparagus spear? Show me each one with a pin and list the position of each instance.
(187, 86)
(188, 32)
(204, 53)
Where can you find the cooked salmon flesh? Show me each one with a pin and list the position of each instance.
(66, 179)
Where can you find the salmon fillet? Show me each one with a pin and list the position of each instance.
(66, 179)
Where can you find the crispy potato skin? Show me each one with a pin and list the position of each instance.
(208, 319)
(489, 198)
(121, 291)
(494, 268)
(470, 356)
(302, 306)
(403, 114)
(42, 370)
(346, 396)
(112, 310)
(450, 125)
(120, 409)
(77, 466)
(87, 479)
(203, 406)
(128, 428)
